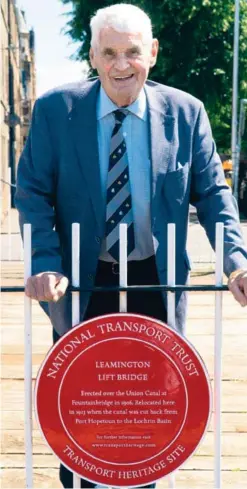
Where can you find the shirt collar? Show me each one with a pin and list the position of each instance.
(105, 105)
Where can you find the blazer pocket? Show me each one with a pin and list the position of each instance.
(175, 183)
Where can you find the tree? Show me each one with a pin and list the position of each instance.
(196, 50)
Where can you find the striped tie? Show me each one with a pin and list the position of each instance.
(119, 205)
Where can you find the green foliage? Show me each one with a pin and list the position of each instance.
(196, 50)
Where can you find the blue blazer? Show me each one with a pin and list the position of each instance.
(58, 183)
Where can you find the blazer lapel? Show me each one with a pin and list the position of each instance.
(83, 124)
(161, 125)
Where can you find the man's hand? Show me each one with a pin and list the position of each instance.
(237, 284)
(46, 286)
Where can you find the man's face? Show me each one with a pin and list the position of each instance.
(123, 63)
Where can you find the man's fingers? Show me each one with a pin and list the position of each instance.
(242, 286)
(239, 296)
(46, 286)
(39, 288)
(61, 288)
(238, 286)
(50, 282)
(35, 287)
(244, 280)
(30, 289)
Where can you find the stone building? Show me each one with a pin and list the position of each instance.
(17, 92)
(28, 75)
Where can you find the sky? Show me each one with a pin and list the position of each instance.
(52, 47)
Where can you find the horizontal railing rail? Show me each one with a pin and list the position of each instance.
(134, 288)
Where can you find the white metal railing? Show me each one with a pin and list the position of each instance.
(218, 353)
(123, 308)
(28, 360)
(76, 298)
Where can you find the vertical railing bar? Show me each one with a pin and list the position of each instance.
(75, 272)
(171, 300)
(123, 272)
(9, 217)
(218, 354)
(123, 266)
(76, 298)
(171, 263)
(28, 358)
(171, 481)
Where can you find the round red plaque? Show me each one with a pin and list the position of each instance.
(123, 400)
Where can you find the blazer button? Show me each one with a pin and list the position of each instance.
(90, 276)
(97, 239)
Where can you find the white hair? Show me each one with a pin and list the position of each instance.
(122, 17)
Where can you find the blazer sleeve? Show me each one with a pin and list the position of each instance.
(213, 198)
(35, 194)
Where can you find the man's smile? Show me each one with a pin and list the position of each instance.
(123, 81)
(123, 77)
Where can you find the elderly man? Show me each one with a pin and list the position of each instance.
(118, 149)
